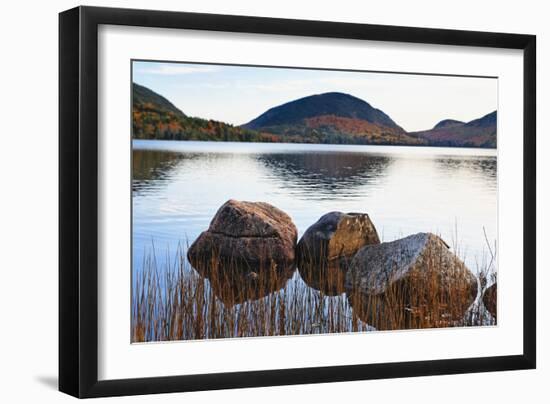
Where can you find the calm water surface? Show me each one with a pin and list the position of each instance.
(178, 187)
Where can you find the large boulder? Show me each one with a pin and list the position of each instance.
(414, 282)
(337, 235)
(246, 237)
(327, 247)
(490, 299)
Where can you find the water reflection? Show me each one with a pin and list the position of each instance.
(479, 167)
(149, 167)
(325, 175)
(317, 175)
(233, 285)
(327, 277)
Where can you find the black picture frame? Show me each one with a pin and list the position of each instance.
(78, 200)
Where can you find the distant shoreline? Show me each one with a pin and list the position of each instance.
(276, 147)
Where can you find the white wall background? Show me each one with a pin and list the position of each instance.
(28, 202)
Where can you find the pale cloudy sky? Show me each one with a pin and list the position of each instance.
(237, 94)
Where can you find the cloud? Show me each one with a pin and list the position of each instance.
(176, 70)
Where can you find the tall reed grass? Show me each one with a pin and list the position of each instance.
(174, 301)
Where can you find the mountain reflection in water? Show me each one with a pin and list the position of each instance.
(325, 175)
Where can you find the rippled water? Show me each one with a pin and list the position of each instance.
(178, 187)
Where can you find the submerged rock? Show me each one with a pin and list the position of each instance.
(246, 236)
(490, 299)
(328, 277)
(414, 282)
(233, 287)
(327, 247)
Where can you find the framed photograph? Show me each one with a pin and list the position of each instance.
(251, 201)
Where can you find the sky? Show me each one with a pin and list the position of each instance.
(238, 94)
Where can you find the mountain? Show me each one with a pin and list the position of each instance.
(144, 98)
(154, 117)
(480, 132)
(331, 118)
(447, 123)
(337, 104)
(487, 121)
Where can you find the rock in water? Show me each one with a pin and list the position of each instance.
(490, 299)
(414, 282)
(245, 237)
(336, 235)
(327, 247)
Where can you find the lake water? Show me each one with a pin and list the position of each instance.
(178, 186)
